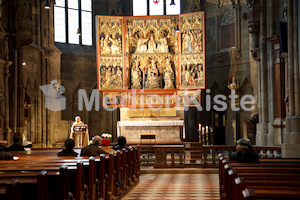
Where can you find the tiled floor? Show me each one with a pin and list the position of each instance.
(176, 187)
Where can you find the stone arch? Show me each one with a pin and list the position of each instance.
(226, 23)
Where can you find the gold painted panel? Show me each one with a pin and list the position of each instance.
(189, 98)
(192, 61)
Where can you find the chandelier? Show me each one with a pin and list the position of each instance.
(47, 4)
(232, 78)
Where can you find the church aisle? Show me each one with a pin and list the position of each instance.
(176, 187)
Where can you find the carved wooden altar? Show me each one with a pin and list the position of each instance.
(144, 60)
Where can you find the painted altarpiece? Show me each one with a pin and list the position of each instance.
(146, 60)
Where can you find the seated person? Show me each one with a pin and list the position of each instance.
(68, 150)
(16, 146)
(121, 144)
(4, 154)
(244, 152)
(93, 149)
(105, 146)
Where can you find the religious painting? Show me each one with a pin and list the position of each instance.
(114, 99)
(189, 98)
(110, 73)
(192, 31)
(192, 65)
(109, 32)
(192, 71)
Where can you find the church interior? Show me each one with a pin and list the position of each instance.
(186, 82)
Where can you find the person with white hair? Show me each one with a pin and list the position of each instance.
(93, 149)
(79, 133)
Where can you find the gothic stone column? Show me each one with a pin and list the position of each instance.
(292, 144)
(262, 127)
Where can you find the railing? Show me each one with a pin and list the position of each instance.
(172, 156)
(169, 156)
(210, 152)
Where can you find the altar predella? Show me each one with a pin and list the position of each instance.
(149, 55)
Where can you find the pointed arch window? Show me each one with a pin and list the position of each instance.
(227, 30)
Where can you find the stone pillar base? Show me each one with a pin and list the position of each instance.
(290, 150)
(262, 134)
(286, 135)
(295, 130)
(271, 135)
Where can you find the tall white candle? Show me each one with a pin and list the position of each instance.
(206, 128)
(199, 127)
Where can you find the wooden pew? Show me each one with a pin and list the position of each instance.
(266, 177)
(110, 183)
(66, 171)
(36, 187)
(102, 176)
(11, 190)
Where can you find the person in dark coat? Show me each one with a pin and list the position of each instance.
(93, 149)
(68, 150)
(244, 152)
(16, 146)
(121, 144)
(4, 154)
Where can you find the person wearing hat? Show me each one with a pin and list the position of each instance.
(244, 152)
(105, 145)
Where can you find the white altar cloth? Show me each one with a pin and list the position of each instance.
(151, 123)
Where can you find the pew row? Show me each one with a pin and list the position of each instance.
(266, 179)
(81, 178)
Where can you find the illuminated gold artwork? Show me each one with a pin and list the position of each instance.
(192, 70)
(146, 54)
(190, 98)
(146, 112)
(111, 73)
(114, 99)
(151, 49)
(110, 35)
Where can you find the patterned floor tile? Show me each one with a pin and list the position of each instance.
(176, 187)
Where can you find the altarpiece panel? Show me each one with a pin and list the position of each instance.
(148, 60)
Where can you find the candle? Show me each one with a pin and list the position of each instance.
(206, 128)
(199, 127)
(202, 129)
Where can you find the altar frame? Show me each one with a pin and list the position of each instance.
(195, 22)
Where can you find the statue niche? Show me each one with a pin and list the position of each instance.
(168, 75)
(153, 78)
(136, 76)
